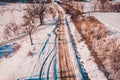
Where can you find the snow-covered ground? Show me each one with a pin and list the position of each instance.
(110, 20)
(90, 6)
(10, 13)
(84, 54)
(22, 64)
(117, 0)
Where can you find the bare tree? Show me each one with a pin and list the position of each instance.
(33, 12)
(29, 23)
(39, 9)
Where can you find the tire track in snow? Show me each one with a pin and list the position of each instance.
(50, 54)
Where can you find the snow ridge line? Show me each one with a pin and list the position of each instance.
(90, 66)
(81, 69)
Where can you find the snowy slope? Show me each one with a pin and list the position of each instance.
(110, 20)
(10, 13)
(21, 63)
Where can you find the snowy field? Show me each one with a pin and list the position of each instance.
(117, 0)
(110, 20)
(22, 64)
(10, 13)
(19, 64)
(39, 60)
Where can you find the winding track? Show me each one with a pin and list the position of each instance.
(51, 55)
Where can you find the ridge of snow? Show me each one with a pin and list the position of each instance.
(88, 61)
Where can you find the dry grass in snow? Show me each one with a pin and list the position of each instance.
(108, 50)
(105, 48)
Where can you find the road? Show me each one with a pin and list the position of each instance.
(69, 68)
(66, 69)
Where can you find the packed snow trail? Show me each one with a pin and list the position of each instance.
(65, 67)
(69, 66)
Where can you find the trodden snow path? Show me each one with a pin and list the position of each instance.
(66, 70)
(69, 68)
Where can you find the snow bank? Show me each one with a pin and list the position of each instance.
(84, 54)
